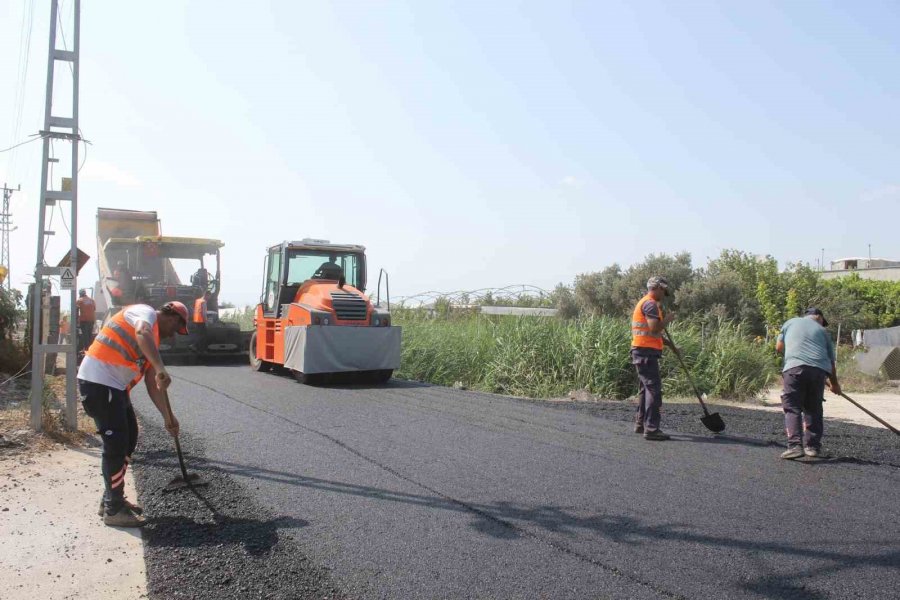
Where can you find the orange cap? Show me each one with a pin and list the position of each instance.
(182, 311)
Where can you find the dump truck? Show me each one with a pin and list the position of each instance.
(315, 319)
(137, 264)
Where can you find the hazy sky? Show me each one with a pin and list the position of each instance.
(472, 144)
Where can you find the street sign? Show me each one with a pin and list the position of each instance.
(67, 279)
(51, 271)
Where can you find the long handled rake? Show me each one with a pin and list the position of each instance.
(869, 412)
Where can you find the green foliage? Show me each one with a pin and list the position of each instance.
(736, 286)
(543, 357)
(10, 311)
(243, 317)
(613, 291)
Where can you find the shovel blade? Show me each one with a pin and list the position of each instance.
(193, 480)
(713, 422)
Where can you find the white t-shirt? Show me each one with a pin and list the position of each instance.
(116, 376)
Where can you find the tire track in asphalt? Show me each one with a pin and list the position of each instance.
(557, 546)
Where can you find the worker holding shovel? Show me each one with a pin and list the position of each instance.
(126, 349)
(809, 361)
(647, 326)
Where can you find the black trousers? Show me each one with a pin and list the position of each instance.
(802, 398)
(85, 331)
(118, 428)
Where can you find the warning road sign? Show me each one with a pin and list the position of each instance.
(67, 279)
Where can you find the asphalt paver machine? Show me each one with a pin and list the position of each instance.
(138, 264)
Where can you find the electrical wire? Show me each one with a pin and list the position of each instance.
(19, 374)
(14, 146)
(62, 35)
(21, 77)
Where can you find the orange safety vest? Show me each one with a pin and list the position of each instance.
(640, 327)
(199, 310)
(116, 344)
(87, 310)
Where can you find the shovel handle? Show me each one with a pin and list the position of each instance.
(184, 473)
(869, 412)
(686, 371)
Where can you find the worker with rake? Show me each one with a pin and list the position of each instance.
(809, 361)
(647, 326)
(125, 350)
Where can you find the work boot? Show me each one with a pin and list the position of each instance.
(134, 507)
(792, 453)
(125, 518)
(639, 428)
(656, 436)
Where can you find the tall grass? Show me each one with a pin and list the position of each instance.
(546, 357)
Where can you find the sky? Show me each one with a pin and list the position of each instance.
(470, 144)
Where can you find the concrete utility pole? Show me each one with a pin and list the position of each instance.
(49, 197)
(6, 227)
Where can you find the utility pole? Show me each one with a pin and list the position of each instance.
(6, 227)
(63, 129)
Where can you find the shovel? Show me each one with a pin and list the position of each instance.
(190, 480)
(712, 421)
(868, 412)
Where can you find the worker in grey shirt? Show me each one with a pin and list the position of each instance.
(809, 361)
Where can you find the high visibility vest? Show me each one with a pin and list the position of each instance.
(199, 310)
(116, 344)
(641, 337)
(87, 310)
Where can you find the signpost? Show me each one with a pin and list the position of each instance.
(66, 279)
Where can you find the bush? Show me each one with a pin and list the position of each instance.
(14, 357)
(545, 357)
(10, 311)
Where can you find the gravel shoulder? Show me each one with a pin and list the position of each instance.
(55, 547)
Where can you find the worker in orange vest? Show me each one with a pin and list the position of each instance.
(200, 308)
(125, 350)
(87, 314)
(647, 324)
(64, 329)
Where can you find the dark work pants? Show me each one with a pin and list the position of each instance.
(802, 398)
(117, 425)
(85, 330)
(650, 394)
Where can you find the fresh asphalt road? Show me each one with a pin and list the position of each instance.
(413, 491)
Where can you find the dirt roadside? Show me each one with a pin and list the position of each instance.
(55, 546)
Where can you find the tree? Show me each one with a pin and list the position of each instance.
(614, 292)
(563, 298)
(10, 301)
(595, 292)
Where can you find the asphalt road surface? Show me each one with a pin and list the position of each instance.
(414, 491)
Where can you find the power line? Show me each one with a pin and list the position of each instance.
(14, 146)
(22, 75)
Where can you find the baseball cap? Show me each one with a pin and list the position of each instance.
(658, 282)
(817, 312)
(181, 310)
